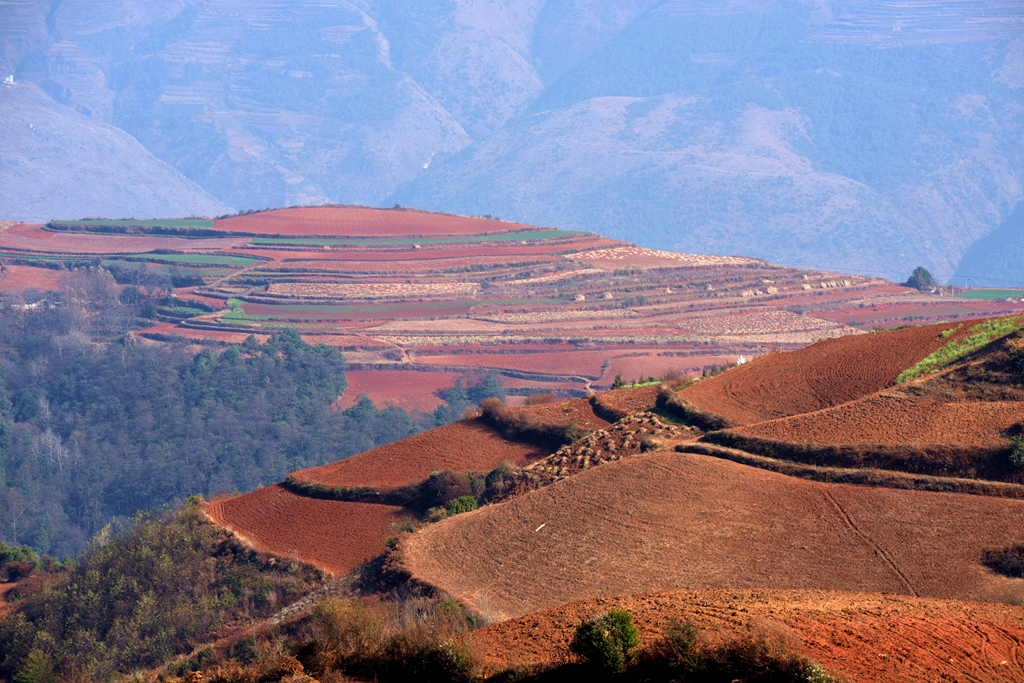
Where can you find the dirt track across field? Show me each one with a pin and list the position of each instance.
(671, 521)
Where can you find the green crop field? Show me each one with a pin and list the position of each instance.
(199, 223)
(200, 259)
(990, 294)
(504, 237)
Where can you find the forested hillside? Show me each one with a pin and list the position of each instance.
(90, 432)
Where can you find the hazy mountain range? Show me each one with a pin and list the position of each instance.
(861, 136)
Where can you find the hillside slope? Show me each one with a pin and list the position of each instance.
(671, 521)
(58, 163)
(825, 374)
(868, 637)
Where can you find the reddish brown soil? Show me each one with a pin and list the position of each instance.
(673, 521)
(822, 375)
(213, 335)
(867, 637)
(586, 363)
(464, 446)
(891, 418)
(629, 400)
(576, 410)
(34, 238)
(362, 222)
(334, 536)
(409, 390)
(20, 278)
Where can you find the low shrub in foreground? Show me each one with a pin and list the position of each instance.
(607, 641)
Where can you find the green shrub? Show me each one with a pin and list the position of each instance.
(1017, 453)
(679, 646)
(460, 505)
(606, 641)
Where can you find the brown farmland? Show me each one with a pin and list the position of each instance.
(464, 446)
(362, 222)
(332, 535)
(822, 375)
(672, 521)
(867, 637)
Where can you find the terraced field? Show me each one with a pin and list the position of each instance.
(404, 290)
(674, 521)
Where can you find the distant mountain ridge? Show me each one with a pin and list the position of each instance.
(854, 137)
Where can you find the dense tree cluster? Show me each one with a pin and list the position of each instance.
(91, 432)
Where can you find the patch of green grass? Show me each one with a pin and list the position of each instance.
(201, 259)
(184, 310)
(200, 223)
(977, 337)
(504, 237)
(990, 294)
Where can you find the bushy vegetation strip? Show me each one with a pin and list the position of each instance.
(975, 338)
(141, 595)
(669, 401)
(858, 476)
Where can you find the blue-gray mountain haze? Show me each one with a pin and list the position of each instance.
(858, 136)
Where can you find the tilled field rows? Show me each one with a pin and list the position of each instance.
(670, 521)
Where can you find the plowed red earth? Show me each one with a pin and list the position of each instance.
(362, 222)
(629, 400)
(822, 375)
(464, 446)
(409, 390)
(867, 637)
(674, 521)
(577, 410)
(20, 278)
(332, 535)
(891, 418)
(586, 363)
(34, 238)
(317, 262)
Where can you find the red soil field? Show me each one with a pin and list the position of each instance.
(213, 335)
(20, 278)
(34, 238)
(362, 222)
(331, 535)
(641, 367)
(576, 410)
(819, 376)
(409, 390)
(629, 400)
(317, 263)
(583, 363)
(892, 418)
(464, 446)
(674, 521)
(867, 637)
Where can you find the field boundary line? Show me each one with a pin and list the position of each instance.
(871, 544)
(891, 479)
